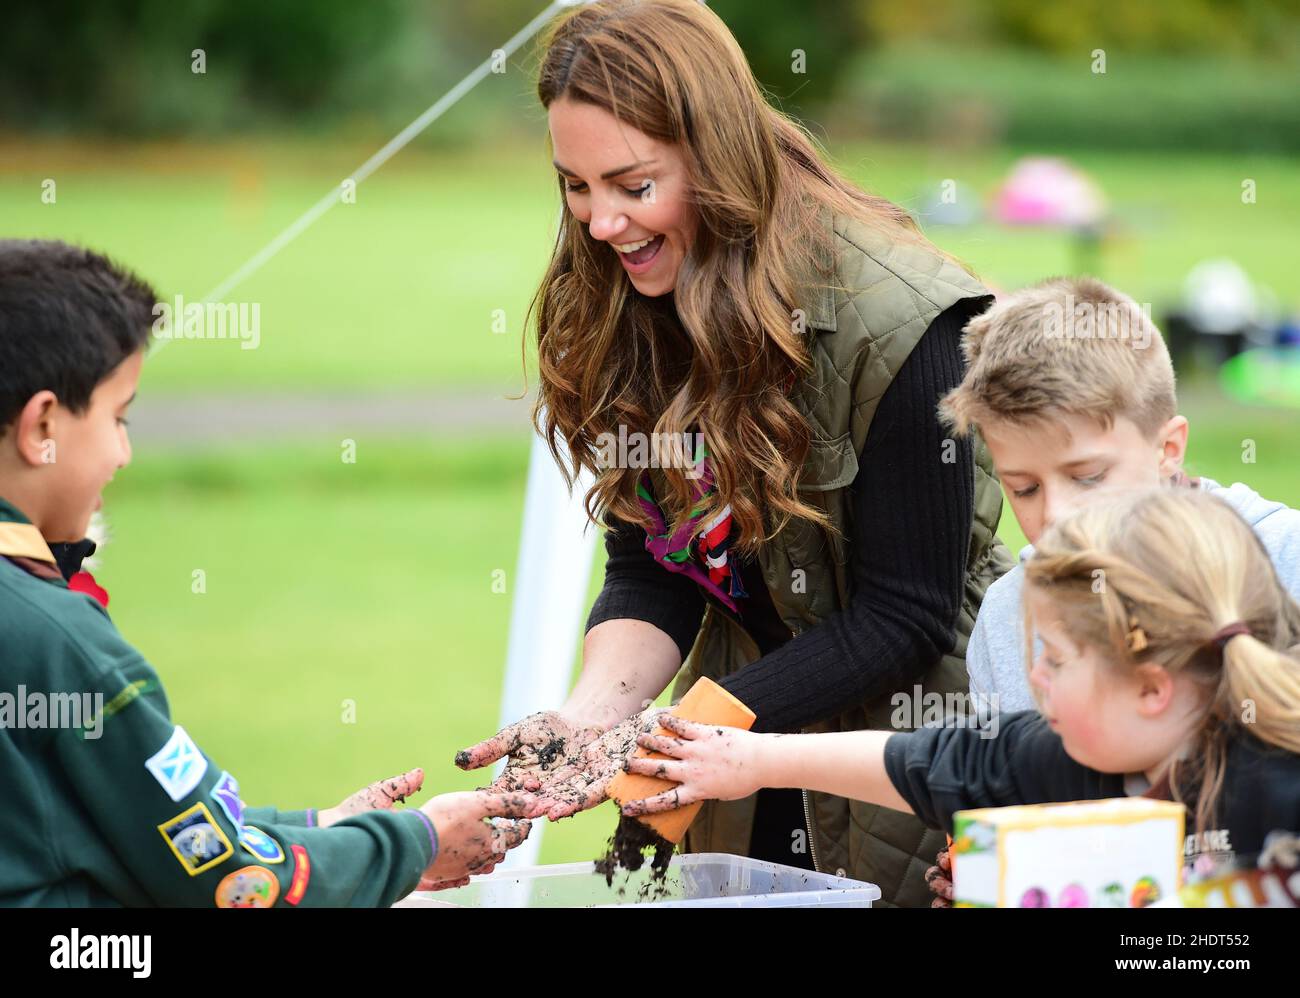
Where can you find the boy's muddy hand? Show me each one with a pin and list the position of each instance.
(939, 878)
(469, 843)
(583, 780)
(537, 746)
(379, 796)
(708, 761)
(508, 826)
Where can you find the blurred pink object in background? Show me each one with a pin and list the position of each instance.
(1046, 190)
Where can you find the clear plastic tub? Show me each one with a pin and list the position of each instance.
(695, 880)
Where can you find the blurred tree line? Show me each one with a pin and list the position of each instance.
(1205, 73)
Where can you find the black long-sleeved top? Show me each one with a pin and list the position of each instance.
(940, 771)
(913, 499)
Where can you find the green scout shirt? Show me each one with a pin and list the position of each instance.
(126, 809)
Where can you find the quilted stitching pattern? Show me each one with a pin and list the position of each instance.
(890, 292)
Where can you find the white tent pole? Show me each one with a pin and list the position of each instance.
(549, 598)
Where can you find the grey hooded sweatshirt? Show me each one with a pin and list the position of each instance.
(995, 657)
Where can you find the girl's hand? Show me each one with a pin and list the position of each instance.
(379, 796)
(939, 877)
(708, 761)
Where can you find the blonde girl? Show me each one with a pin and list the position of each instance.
(1170, 667)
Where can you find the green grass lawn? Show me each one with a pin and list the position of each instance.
(371, 582)
(401, 288)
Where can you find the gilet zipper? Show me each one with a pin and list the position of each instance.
(812, 842)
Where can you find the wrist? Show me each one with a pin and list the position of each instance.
(591, 715)
(765, 762)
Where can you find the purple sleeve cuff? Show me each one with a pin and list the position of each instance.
(433, 832)
(311, 817)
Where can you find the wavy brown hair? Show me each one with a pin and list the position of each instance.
(714, 355)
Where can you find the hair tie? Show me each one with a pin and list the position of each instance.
(1136, 638)
(1227, 632)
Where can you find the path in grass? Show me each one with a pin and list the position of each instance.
(212, 419)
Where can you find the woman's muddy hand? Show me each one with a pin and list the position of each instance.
(538, 748)
(583, 781)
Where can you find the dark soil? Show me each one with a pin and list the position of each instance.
(627, 851)
(548, 753)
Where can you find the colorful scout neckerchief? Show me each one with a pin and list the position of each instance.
(689, 549)
(699, 552)
(23, 544)
(23, 540)
(70, 556)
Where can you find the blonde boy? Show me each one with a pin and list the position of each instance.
(1071, 386)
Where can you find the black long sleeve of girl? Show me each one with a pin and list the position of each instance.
(940, 771)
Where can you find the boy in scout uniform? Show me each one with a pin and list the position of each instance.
(106, 799)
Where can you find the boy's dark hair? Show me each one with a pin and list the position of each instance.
(68, 318)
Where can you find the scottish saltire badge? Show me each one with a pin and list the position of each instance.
(179, 765)
(226, 794)
(261, 845)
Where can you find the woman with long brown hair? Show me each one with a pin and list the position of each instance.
(800, 527)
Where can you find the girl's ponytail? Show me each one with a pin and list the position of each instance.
(1263, 683)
